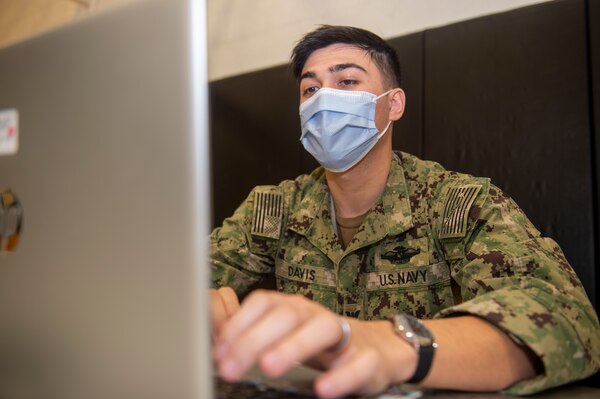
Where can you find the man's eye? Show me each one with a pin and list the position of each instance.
(348, 82)
(310, 90)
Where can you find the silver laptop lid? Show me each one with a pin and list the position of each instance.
(102, 296)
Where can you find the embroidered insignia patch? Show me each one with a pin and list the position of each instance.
(400, 254)
(268, 212)
(456, 209)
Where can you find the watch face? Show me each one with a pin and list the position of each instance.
(418, 334)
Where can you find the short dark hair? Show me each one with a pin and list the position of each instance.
(381, 52)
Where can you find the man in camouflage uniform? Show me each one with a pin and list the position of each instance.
(393, 234)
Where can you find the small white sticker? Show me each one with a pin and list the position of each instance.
(9, 131)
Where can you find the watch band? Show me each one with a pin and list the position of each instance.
(414, 332)
(425, 354)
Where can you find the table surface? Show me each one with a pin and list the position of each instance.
(301, 380)
(571, 391)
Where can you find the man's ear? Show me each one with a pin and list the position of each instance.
(397, 101)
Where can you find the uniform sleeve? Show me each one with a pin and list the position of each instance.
(521, 282)
(239, 258)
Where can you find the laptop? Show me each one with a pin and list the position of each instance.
(105, 214)
(104, 218)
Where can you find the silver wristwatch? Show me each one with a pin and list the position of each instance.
(413, 331)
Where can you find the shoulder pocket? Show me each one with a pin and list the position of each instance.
(456, 209)
(459, 209)
(267, 213)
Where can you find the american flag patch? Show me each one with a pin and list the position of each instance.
(268, 212)
(456, 209)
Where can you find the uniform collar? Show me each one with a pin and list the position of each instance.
(391, 215)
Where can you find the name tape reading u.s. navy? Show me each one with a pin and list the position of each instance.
(408, 277)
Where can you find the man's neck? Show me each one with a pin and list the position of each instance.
(356, 190)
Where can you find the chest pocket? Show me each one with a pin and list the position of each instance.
(404, 279)
(316, 283)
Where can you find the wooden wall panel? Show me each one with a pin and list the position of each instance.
(506, 96)
(593, 8)
(408, 131)
(255, 137)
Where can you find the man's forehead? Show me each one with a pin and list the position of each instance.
(337, 54)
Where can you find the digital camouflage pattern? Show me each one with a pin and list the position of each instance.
(437, 244)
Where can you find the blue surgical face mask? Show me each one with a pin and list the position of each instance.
(338, 127)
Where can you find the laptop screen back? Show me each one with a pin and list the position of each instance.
(103, 296)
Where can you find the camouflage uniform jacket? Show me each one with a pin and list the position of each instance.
(436, 244)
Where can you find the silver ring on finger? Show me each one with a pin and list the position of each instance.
(345, 340)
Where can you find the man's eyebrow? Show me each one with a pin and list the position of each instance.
(341, 67)
(333, 69)
(307, 75)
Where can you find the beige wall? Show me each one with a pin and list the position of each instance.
(247, 35)
(22, 18)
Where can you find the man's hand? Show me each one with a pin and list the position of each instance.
(278, 331)
(223, 304)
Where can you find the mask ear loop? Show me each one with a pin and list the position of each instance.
(382, 95)
(380, 135)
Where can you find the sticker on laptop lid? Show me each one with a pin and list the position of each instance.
(11, 221)
(9, 131)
